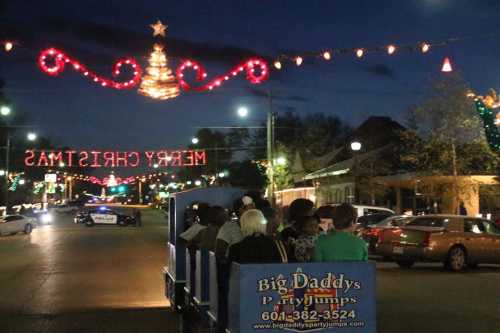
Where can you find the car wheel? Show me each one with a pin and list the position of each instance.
(122, 223)
(405, 263)
(28, 228)
(89, 223)
(457, 259)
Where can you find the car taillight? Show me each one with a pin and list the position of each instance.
(381, 236)
(397, 232)
(427, 239)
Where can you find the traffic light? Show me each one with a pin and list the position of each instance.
(121, 188)
(113, 189)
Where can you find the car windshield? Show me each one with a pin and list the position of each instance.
(437, 222)
(366, 220)
(491, 228)
(395, 221)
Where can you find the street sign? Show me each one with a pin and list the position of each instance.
(50, 178)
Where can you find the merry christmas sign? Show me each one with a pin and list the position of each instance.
(114, 159)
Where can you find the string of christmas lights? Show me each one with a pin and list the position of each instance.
(256, 69)
(60, 59)
(15, 182)
(111, 181)
(359, 52)
(115, 181)
(159, 75)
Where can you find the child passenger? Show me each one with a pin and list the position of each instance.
(308, 228)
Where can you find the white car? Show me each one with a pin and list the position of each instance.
(12, 224)
(364, 210)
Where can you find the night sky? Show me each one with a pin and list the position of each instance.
(72, 111)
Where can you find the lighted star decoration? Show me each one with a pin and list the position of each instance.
(159, 29)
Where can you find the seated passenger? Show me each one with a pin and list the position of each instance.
(229, 234)
(298, 208)
(206, 238)
(325, 214)
(341, 244)
(256, 246)
(308, 228)
(194, 224)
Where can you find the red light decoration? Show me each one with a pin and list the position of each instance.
(60, 59)
(249, 66)
(114, 159)
(112, 181)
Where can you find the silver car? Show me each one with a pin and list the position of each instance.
(12, 224)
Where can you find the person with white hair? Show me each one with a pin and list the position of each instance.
(256, 246)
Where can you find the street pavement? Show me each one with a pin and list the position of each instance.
(70, 278)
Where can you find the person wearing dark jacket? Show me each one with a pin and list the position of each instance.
(256, 247)
(461, 209)
(206, 238)
(298, 209)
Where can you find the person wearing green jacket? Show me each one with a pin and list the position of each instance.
(341, 244)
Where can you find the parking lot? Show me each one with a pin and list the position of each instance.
(70, 278)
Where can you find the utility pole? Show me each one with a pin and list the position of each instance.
(456, 201)
(7, 162)
(139, 186)
(70, 179)
(270, 148)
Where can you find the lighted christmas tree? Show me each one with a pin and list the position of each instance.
(487, 107)
(159, 82)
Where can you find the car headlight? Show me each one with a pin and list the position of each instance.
(47, 218)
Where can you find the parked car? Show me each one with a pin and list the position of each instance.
(364, 210)
(65, 208)
(103, 215)
(371, 233)
(368, 215)
(12, 224)
(456, 241)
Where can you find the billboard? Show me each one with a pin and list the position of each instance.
(303, 297)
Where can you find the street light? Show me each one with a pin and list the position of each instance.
(2, 173)
(31, 136)
(4, 110)
(356, 146)
(156, 166)
(195, 140)
(281, 161)
(22, 181)
(270, 122)
(242, 111)
(197, 183)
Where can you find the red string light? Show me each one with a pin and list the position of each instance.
(249, 66)
(116, 182)
(60, 60)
